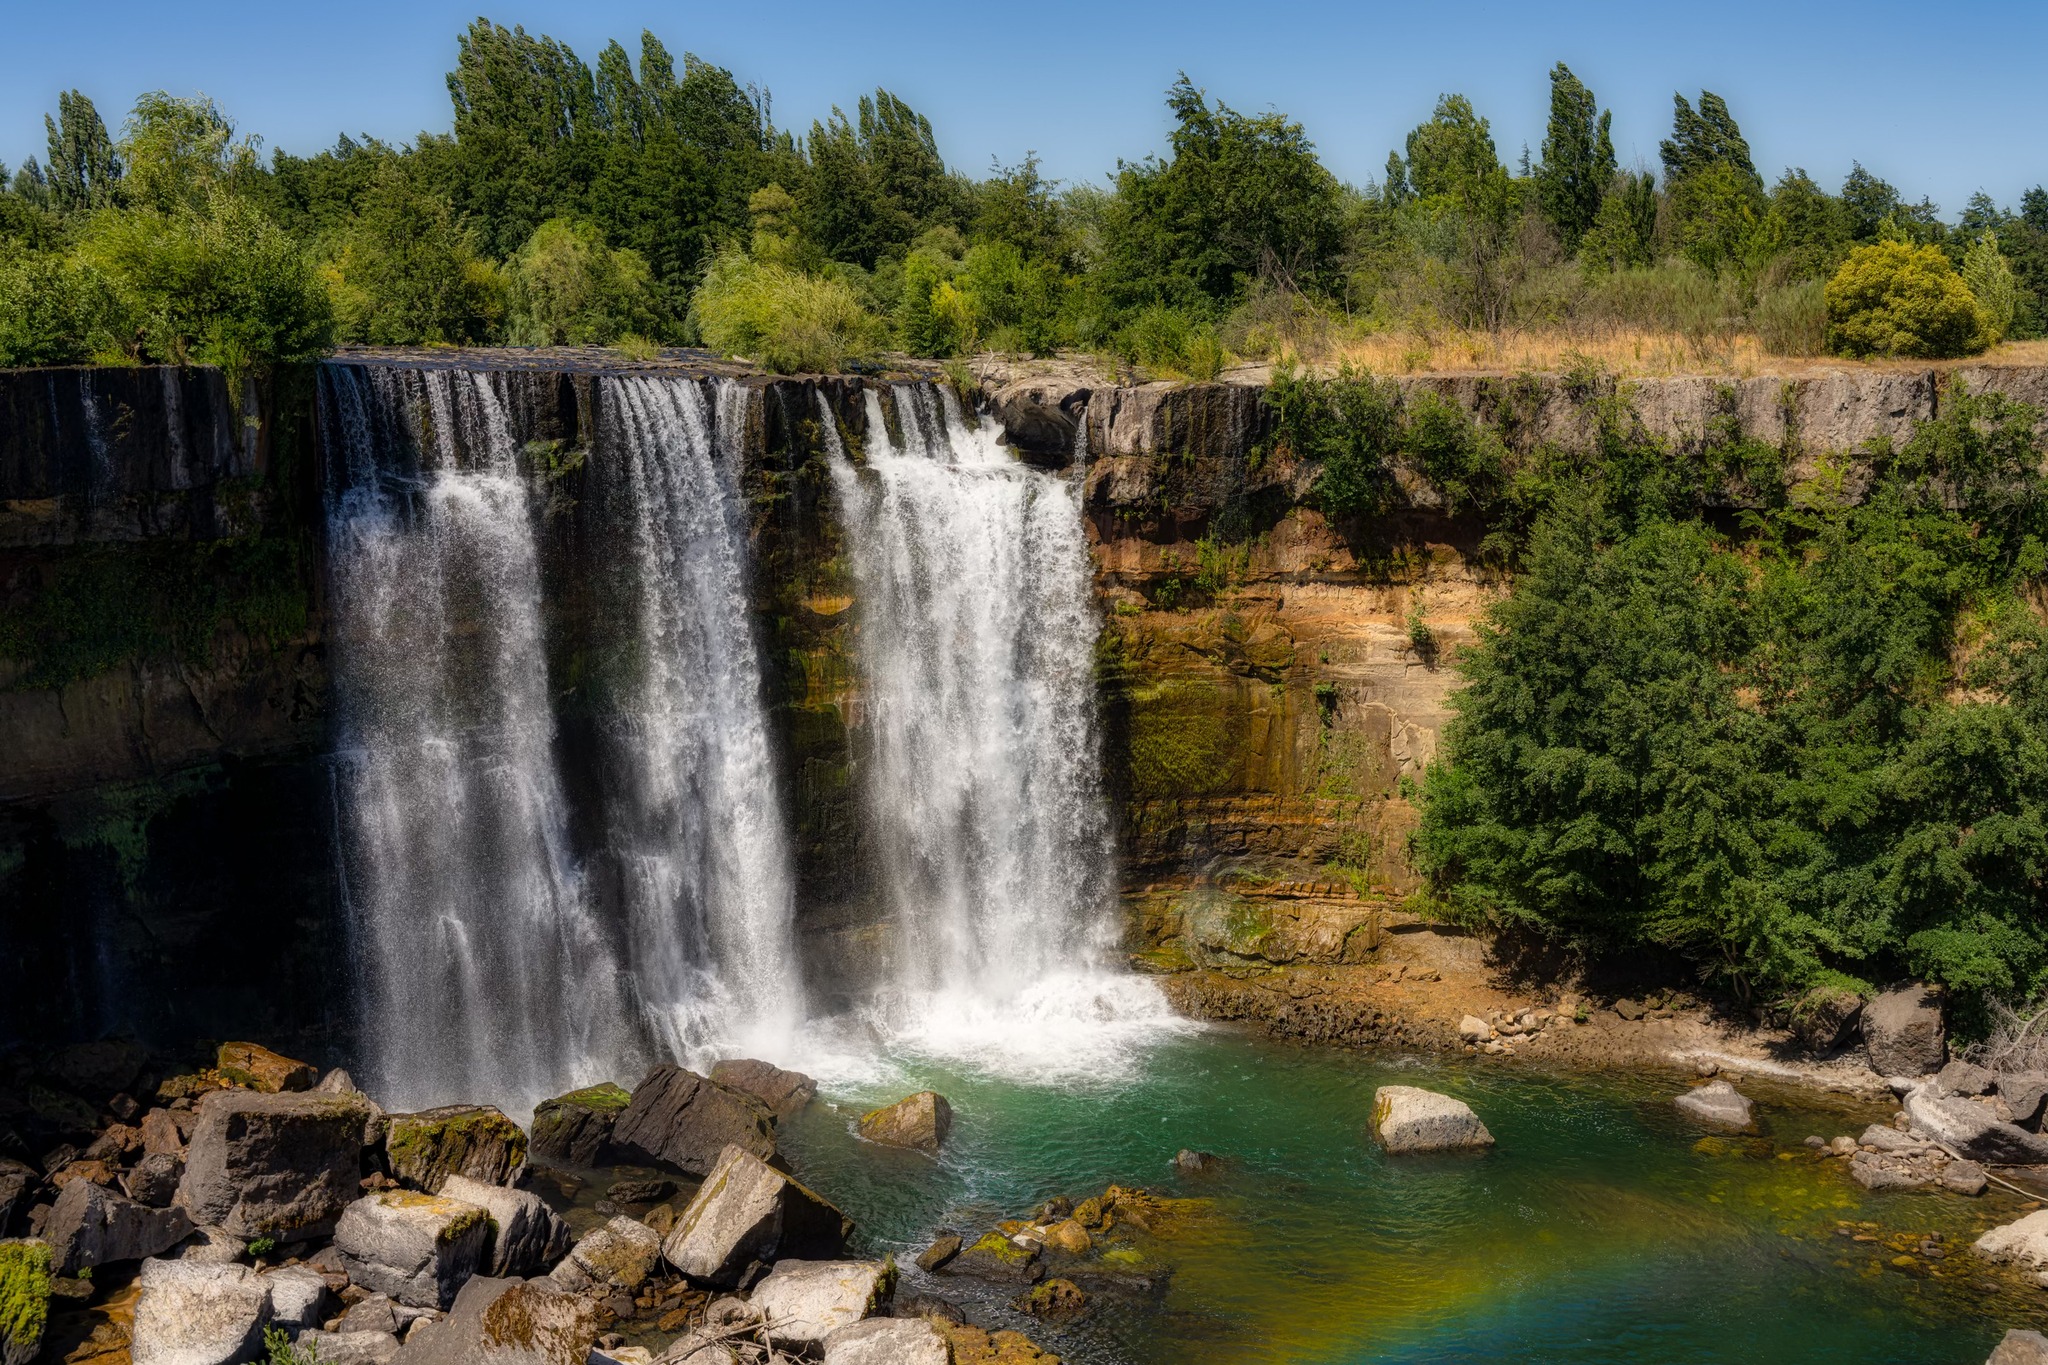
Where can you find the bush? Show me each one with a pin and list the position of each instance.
(1896, 299)
(1793, 320)
(1173, 342)
(787, 320)
(1989, 276)
(923, 327)
(55, 311)
(566, 287)
(408, 273)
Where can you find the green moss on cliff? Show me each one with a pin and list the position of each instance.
(24, 1296)
(1183, 739)
(605, 1096)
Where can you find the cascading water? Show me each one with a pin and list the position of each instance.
(977, 642)
(496, 956)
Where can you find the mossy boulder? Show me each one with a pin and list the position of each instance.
(996, 1257)
(576, 1129)
(24, 1300)
(475, 1140)
(418, 1248)
(255, 1067)
(920, 1122)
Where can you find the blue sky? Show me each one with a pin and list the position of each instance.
(1940, 102)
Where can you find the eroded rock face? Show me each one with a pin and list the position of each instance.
(536, 1324)
(784, 1093)
(920, 1122)
(1408, 1119)
(527, 1237)
(418, 1248)
(576, 1129)
(281, 1166)
(745, 1212)
(195, 1314)
(475, 1140)
(804, 1302)
(93, 1226)
(1904, 1034)
(1716, 1104)
(680, 1119)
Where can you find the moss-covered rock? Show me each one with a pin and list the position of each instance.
(475, 1140)
(24, 1300)
(576, 1129)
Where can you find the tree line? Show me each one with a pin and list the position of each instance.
(642, 203)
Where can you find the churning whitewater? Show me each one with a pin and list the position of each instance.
(494, 951)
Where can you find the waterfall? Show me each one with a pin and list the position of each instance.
(512, 942)
(977, 649)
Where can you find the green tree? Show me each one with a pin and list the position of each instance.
(1464, 191)
(566, 287)
(1708, 137)
(1578, 159)
(1806, 227)
(1624, 234)
(875, 182)
(407, 273)
(84, 171)
(178, 152)
(1990, 279)
(1895, 299)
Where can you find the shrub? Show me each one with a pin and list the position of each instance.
(408, 272)
(55, 311)
(1172, 341)
(922, 327)
(1793, 320)
(787, 320)
(1896, 299)
(1989, 276)
(566, 287)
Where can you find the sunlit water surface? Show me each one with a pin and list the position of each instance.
(1601, 1229)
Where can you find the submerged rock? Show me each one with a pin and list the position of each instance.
(997, 1257)
(747, 1211)
(1973, 1131)
(920, 1122)
(1054, 1299)
(1877, 1171)
(1408, 1119)
(258, 1068)
(680, 1119)
(194, 1314)
(474, 1140)
(418, 1248)
(785, 1093)
(888, 1341)
(1903, 1033)
(803, 1302)
(1190, 1162)
(1717, 1104)
(282, 1166)
(939, 1253)
(576, 1128)
(527, 1237)
(92, 1226)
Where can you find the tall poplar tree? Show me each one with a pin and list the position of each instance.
(1578, 158)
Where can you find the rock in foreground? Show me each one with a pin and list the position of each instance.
(576, 1128)
(475, 1140)
(2020, 1348)
(1717, 1104)
(190, 1314)
(803, 1302)
(418, 1248)
(281, 1166)
(888, 1341)
(2023, 1243)
(1408, 1119)
(527, 1237)
(748, 1211)
(1974, 1131)
(91, 1226)
(920, 1122)
(1903, 1033)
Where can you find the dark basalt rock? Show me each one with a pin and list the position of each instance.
(576, 1128)
(678, 1118)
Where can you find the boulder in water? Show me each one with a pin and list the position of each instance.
(418, 1248)
(283, 1166)
(258, 1068)
(1973, 1131)
(576, 1128)
(2019, 1348)
(920, 1122)
(678, 1118)
(475, 1140)
(1190, 1162)
(888, 1341)
(942, 1250)
(997, 1257)
(191, 1313)
(1903, 1033)
(784, 1093)
(1406, 1118)
(1716, 1104)
(24, 1300)
(527, 1237)
(2022, 1243)
(803, 1302)
(1964, 1177)
(747, 1211)
(93, 1226)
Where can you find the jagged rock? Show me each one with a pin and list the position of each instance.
(338, 1082)
(2024, 1092)
(475, 1140)
(456, 1339)
(1903, 1033)
(1878, 1171)
(576, 1128)
(1716, 1103)
(160, 1134)
(888, 1341)
(264, 1165)
(2019, 1348)
(678, 1118)
(1408, 1119)
(24, 1300)
(804, 1302)
(747, 1211)
(1964, 1078)
(2023, 1242)
(1055, 1299)
(418, 1248)
(93, 1172)
(93, 1226)
(194, 1314)
(154, 1180)
(526, 1237)
(114, 1144)
(349, 1348)
(258, 1068)
(1070, 1237)
(537, 1324)
(298, 1297)
(920, 1122)
(994, 1256)
(621, 1255)
(784, 1093)
(940, 1252)
(1972, 1130)
(382, 1313)
(1964, 1177)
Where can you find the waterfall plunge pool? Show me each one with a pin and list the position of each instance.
(1603, 1228)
